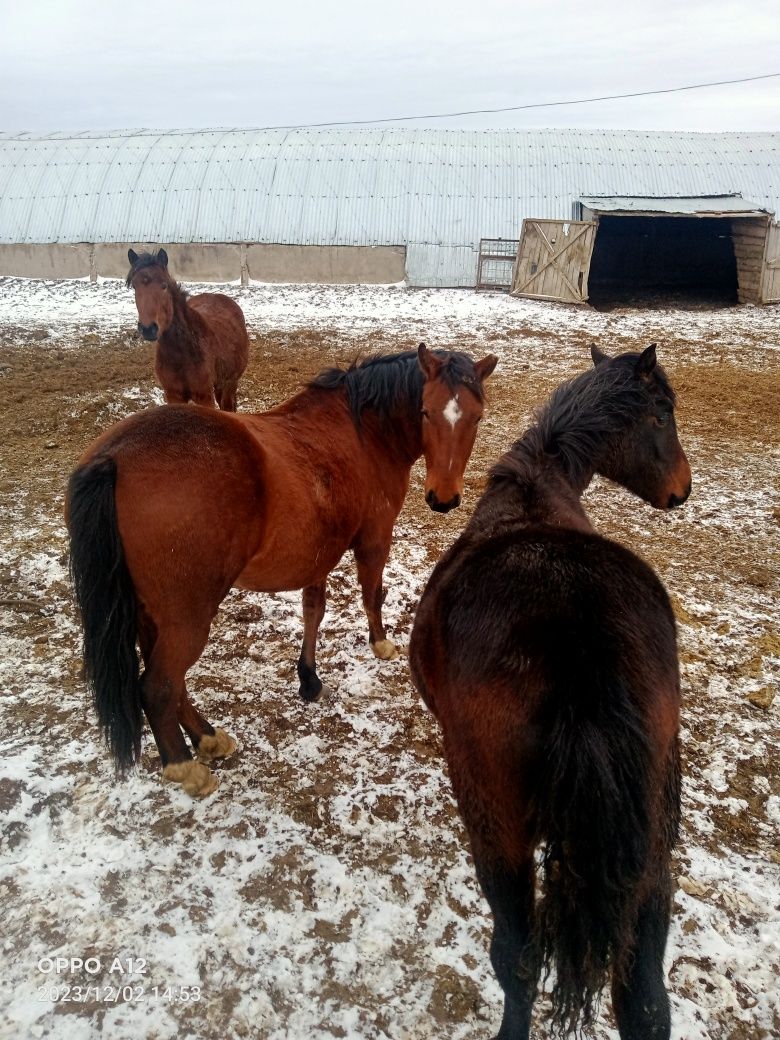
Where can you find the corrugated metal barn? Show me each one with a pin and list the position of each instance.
(385, 205)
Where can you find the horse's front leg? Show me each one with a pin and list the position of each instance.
(371, 560)
(313, 611)
(204, 398)
(201, 388)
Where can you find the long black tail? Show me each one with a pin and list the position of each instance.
(594, 809)
(106, 598)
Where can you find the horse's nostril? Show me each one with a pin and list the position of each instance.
(443, 507)
(148, 331)
(430, 497)
(677, 500)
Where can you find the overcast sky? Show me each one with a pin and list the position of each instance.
(97, 64)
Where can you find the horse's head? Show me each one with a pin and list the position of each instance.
(648, 459)
(149, 278)
(452, 405)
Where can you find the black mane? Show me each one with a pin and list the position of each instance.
(583, 413)
(385, 382)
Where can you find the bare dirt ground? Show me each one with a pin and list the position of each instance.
(325, 889)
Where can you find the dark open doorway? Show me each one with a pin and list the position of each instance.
(683, 261)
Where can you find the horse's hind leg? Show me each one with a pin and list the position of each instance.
(510, 893)
(371, 560)
(173, 652)
(481, 741)
(313, 613)
(159, 694)
(639, 998)
(209, 743)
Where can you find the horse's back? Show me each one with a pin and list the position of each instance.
(217, 305)
(159, 435)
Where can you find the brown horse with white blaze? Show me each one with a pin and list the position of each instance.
(548, 654)
(172, 507)
(202, 342)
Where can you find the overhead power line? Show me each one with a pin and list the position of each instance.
(521, 108)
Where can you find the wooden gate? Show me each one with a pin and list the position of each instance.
(770, 285)
(554, 259)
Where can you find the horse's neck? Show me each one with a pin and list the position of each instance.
(399, 442)
(532, 491)
(183, 333)
(396, 438)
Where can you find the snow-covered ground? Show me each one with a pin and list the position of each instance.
(325, 890)
(67, 308)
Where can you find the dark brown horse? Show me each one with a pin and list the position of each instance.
(172, 507)
(548, 654)
(202, 344)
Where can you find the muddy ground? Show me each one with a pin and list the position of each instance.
(325, 889)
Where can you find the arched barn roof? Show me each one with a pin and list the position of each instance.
(436, 192)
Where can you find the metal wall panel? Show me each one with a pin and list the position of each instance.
(435, 191)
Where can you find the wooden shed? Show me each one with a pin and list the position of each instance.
(716, 247)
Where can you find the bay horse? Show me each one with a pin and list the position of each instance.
(548, 654)
(202, 342)
(172, 507)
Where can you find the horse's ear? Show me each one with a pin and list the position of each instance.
(485, 367)
(162, 258)
(132, 256)
(429, 363)
(647, 361)
(598, 355)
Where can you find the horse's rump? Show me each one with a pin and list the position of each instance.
(189, 501)
(531, 593)
(571, 623)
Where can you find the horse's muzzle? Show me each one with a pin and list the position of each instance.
(677, 500)
(441, 507)
(149, 332)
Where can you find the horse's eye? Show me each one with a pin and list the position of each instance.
(663, 418)
(424, 413)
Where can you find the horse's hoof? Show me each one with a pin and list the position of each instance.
(310, 694)
(311, 688)
(384, 649)
(196, 778)
(220, 745)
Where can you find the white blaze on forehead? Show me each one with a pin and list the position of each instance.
(453, 411)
